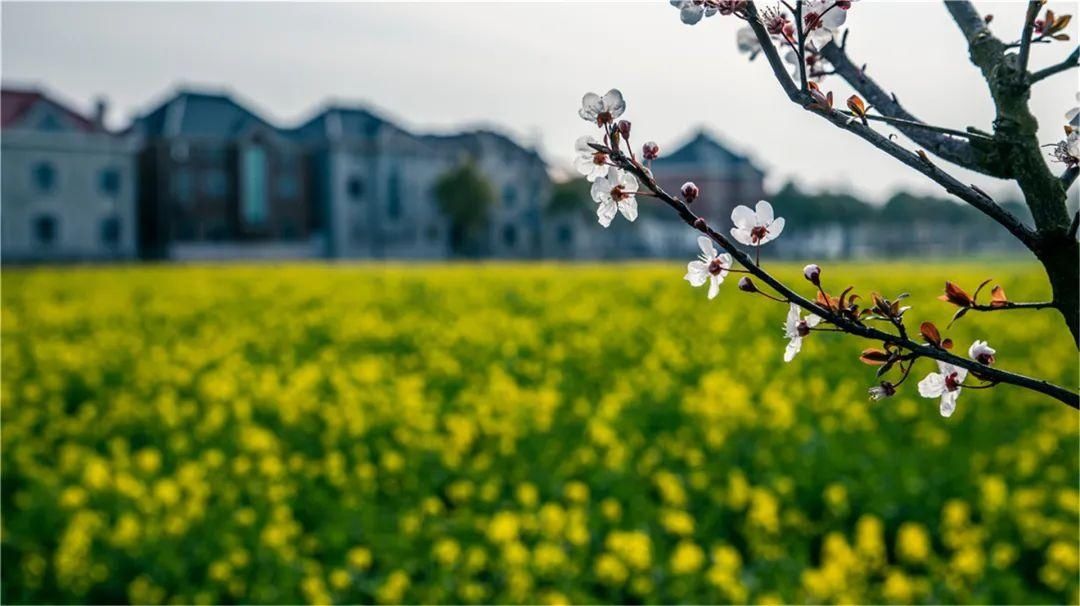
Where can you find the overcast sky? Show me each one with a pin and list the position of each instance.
(523, 68)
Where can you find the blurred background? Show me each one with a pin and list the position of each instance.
(305, 302)
(229, 131)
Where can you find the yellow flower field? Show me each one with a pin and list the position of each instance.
(514, 433)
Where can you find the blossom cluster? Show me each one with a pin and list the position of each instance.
(821, 21)
(615, 187)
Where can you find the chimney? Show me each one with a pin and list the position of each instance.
(101, 107)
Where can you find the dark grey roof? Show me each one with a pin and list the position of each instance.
(199, 114)
(349, 123)
(702, 148)
(476, 141)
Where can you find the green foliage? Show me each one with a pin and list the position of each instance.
(465, 197)
(570, 197)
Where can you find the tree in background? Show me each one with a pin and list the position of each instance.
(466, 198)
(805, 49)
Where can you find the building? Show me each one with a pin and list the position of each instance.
(68, 184)
(217, 181)
(376, 182)
(725, 178)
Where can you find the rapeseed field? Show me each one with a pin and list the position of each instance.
(515, 433)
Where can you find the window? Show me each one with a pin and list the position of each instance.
(355, 188)
(509, 196)
(287, 186)
(45, 229)
(109, 182)
(431, 232)
(253, 206)
(215, 183)
(510, 235)
(181, 186)
(564, 235)
(393, 198)
(110, 231)
(44, 176)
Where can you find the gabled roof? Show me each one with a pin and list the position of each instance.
(16, 106)
(480, 140)
(342, 122)
(702, 148)
(199, 114)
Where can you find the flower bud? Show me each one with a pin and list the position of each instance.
(882, 391)
(747, 285)
(650, 151)
(699, 224)
(624, 128)
(812, 273)
(690, 191)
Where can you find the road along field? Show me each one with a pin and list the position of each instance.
(515, 433)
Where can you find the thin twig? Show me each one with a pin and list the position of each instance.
(1070, 62)
(1025, 38)
(829, 315)
(802, 46)
(913, 124)
(953, 186)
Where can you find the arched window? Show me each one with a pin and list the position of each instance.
(110, 231)
(45, 229)
(109, 182)
(509, 196)
(44, 176)
(510, 235)
(355, 188)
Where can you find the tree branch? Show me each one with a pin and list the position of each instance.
(923, 165)
(919, 125)
(1068, 177)
(985, 372)
(1070, 62)
(1025, 36)
(949, 149)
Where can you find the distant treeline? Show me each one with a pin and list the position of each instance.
(813, 209)
(806, 209)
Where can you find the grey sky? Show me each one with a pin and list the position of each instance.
(523, 67)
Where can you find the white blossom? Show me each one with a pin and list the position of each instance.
(822, 19)
(945, 384)
(1074, 113)
(755, 227)
(795, 329)
(747, 42)
(712, 267)
(589, 162)
(615, 194)
(602, 110)
(981, 352)
(691, 11)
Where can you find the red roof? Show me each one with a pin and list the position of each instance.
(15, 103)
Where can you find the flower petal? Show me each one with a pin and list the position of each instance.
(628, 208)
(764, 212)
(932, 386)
(606, 212)
(793, 347)
(601, 190)
(696, 273)
(775, 228)
(614, 103)
(948, 403)
(706, 246)
(714, 287)
(743, 217)
(742, 235)
(591, 106)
